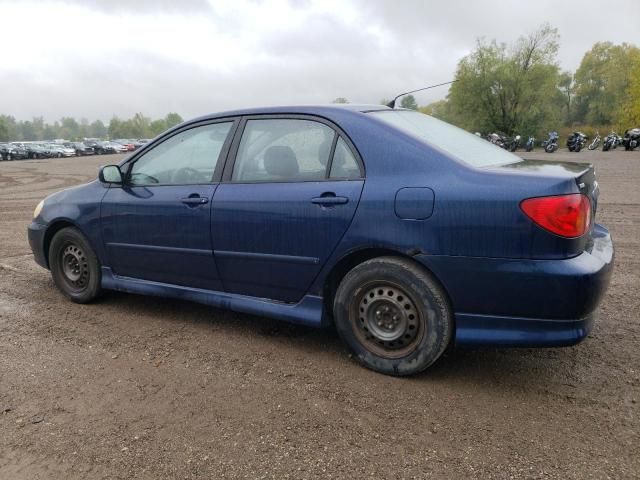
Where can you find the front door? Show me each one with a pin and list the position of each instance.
(157, 225)
(287, 201)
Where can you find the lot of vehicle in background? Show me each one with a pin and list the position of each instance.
(59, 148)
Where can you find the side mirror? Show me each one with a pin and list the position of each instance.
(110, 174)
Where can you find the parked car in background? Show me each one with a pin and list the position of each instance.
(107, 147)
(119, 148)
(35, 150)
(9, 151)
(81, 149)
(59, 150)
(130, 146)
(404, 232)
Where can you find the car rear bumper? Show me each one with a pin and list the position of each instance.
(35, 233)
(517, 302)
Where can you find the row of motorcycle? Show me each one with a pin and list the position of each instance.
(576, 141)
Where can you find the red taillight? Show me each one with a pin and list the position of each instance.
(565, 215)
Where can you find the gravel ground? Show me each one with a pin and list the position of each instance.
(136, 387)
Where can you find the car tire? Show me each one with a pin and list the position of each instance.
(393, 315)
(75, 268)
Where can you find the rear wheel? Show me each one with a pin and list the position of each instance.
(74, 266)
(393, 315)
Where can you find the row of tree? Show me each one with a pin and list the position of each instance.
(520, 88)
(69, 128)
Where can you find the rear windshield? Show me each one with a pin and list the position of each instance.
(462, 145)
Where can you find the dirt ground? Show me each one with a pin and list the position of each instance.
(137, 387)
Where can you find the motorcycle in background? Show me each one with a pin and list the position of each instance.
(596, 142)
(631, 139)
(551, 144)
(513, 144)
(530, 144)
(576, 141)
(610, 142)
(496, 139)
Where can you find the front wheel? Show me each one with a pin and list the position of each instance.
(74, 266)
(393, 315)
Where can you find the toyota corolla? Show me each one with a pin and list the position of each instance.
(404, 232)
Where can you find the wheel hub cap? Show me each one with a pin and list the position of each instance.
(388, 318)
(75, 266)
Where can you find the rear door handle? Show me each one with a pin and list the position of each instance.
(194, 200)
(329, 200)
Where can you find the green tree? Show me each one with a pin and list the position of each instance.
(409, 101)
(11, 126)
(566, 87)
(340, 100)
(69, 128)
(508, 89)
(4, 129)
(601, 81)
(629, 114)
(172, 119)
(97, 129)
(139, 127)
(117, 128)
(158, 126)
(439, 109)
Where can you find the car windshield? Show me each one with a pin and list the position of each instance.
(462, 145)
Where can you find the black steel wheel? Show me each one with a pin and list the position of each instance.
(74, 266)
(393, 315)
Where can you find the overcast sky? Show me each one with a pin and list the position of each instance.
(99, 58)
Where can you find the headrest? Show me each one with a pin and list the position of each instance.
(280, 161)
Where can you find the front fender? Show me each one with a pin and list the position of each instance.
(78, 207)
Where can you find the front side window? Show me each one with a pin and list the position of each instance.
(187, 158)
(283, 150)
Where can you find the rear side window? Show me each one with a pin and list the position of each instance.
(462, 145)
(187, 158)
(344, 164)
(283, 150)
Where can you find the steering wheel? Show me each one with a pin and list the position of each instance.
(186, 175)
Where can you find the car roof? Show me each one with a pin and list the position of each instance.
(296, 109)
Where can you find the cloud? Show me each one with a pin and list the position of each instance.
(96, 58)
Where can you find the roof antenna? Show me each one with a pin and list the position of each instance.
(392, 103)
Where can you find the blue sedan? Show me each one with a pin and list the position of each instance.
(406, 233)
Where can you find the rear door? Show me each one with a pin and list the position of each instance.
(284, 204)
(157, 226)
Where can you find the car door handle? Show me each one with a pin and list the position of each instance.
(196, 200)
(329, 200)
